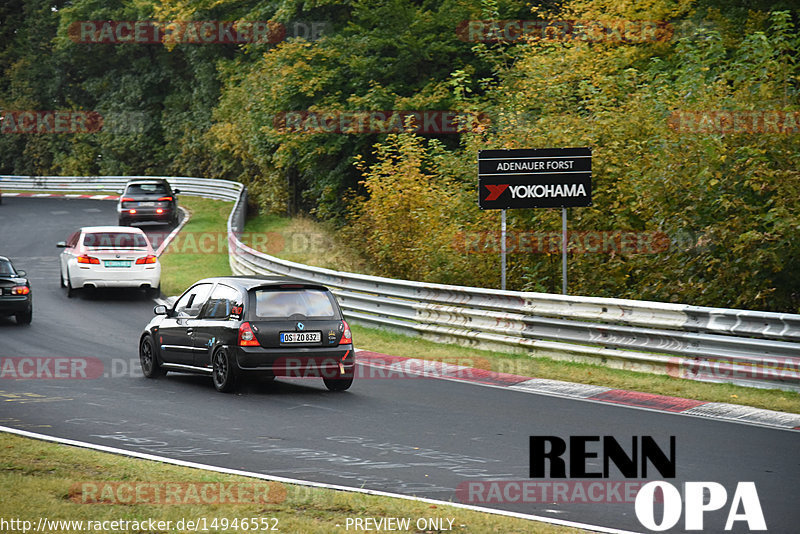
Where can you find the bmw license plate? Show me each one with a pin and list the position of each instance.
(117, 263)
(146, 204)
(301, 337)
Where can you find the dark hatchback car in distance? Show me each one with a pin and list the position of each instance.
(229, 327)
(16, 297)
(148, 200)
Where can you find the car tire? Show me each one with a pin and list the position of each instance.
(154, 292)
(148, 358)
(223, 371)
(25, 318)
(71, 291)
(61, 276)
(123, 222)
(338, 384)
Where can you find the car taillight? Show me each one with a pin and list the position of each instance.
(347, 336)
(146, 259)
(20, 290)
(159, 211)
(132, 212)
(246, 336)
(88, 259)
(126, 199)
(168, 199)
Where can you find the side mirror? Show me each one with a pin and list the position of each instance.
(176, 191)
(120, 191)
(160, 309)
(61, 244)
(22, 273)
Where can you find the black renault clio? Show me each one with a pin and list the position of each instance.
(228, 327)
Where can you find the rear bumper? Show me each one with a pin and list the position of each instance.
(11, 304)
(298, 362)
(147, 214)
(131, 277)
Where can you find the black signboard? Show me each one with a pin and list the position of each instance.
(535, 178)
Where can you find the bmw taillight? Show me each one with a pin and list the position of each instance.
(146, 259)
(167, 199)
(246, 336)
(20, 290)
(347, 336)
(126, 199)
(88, 259)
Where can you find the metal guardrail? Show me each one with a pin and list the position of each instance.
(204, 187)
(752, 348)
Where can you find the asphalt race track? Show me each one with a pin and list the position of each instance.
(412, 436)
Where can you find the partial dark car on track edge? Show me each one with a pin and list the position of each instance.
(234, 326)
(16, 297)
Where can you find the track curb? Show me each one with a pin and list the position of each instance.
(735, 413)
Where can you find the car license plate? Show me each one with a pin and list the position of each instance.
(117, 263)
(301, 337)
(146, 204)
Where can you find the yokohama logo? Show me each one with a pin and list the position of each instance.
(536, 191)
(495, 191)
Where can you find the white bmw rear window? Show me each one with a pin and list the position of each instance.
(114, 240)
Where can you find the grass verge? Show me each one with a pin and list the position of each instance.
(46, 480)
(303, 240)
(200, 249)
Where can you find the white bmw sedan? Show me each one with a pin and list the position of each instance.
(109, 256)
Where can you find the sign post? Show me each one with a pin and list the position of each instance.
(563, 251)
(503, 250)
(535, 178)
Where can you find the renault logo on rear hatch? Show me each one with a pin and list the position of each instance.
(300, 326)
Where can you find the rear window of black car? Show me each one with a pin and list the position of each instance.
(146, 189)
(6, 268)
(114, 240)
(283, 303)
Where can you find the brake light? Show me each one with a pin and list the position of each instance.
(88, 259)
(168, 199)
(126, 199)
(20, 290)
(159, 211)
(132, 212)
(146, 259)
(347, 336)
(246, 336)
